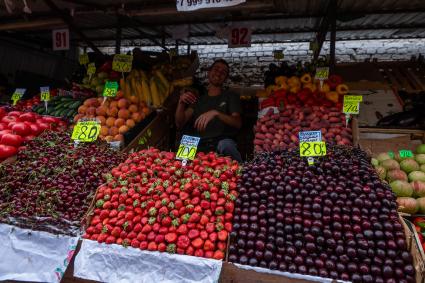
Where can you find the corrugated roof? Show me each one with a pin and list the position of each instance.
(271, 21)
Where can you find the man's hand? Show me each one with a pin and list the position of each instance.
(187, 98)
(203, 120)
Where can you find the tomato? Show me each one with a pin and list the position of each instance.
(29, 117)
(35, 129)
(3, 112)
(7, 151)
(21, 129)
(14, 113)
(3, 126)
(11, 139)
(48, 119)
(8, 119)
(7, 131)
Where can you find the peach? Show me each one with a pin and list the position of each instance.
(119, 122)
(123, 113)
(123, 129)
(110, 122)
(133, 108)
(130, 123)
(113, 131)
(122, 103)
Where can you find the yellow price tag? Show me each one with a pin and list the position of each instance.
(351, 108)
(122, 63)
(44, 93)
(322, 73)
(86, 131)
(312, 148)
(186, 152)
(278, 54)
(83, 59)
(91, 69)
(17, 95)
(110, 89)
(188, 147)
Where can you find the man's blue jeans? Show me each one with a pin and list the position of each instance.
(228, 147)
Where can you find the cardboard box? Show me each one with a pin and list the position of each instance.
(376, 140)
(415, 248)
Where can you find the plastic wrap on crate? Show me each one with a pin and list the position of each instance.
(115, 263)
(288, 274)
(35, 256)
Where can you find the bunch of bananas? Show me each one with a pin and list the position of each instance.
(153, 89)
(188, 81)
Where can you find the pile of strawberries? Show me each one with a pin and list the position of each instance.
(154, 203)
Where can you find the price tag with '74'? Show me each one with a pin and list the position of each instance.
(351, 104)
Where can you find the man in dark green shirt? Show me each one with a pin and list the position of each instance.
(215, 116)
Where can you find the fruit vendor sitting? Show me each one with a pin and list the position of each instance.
(213, 115)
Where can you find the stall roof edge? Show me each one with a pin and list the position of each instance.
(153, 22)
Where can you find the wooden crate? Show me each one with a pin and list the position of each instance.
(406, 75)
(153, 134)
(377, 140)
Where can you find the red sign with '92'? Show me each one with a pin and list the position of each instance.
(60, 39)
(239, 37)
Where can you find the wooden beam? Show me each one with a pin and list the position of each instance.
(33, 25)
(70, 22)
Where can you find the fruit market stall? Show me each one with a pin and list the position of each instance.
(96, 184)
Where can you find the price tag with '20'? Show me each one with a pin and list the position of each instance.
(110, 89)
(312, 149)
(188, 147)
(86, 131)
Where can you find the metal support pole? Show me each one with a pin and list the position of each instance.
(118, 41)
(333, 37)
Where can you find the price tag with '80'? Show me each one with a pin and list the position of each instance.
(312, 149)
(188, 147)
(86, 131)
